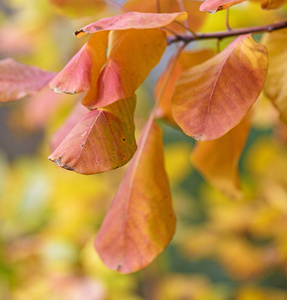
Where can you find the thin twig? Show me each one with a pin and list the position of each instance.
(229, 33)
(187, 28)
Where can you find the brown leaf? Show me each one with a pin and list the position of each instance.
(140, 221)
(186, 60)
(213, 6)
(18, 80)
(212, 98)
(132, 54)
(132, 20)
(275, 86)
(218, 160)
(84, 68)
(103, 140)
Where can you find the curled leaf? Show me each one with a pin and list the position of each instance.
(213, 97)
(140, 221)
(84, 68)
(103, 140)
(132, 54)
(18, 80)
(132, 20)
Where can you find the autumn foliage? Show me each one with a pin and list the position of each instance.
(209, 94)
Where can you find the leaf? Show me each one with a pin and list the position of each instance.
(212, 98)
(84, 68)
(78, 8)
(213, 6)
(132, 20)
(195, 16)
(140, 221)
(272, 4)
(186, 60)
(132, 54)
(218, 160)
(18, 80)
(75, 116)
(103, 140)
(275, 86)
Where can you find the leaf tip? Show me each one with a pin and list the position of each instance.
(79, 33)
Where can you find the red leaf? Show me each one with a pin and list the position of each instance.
(84, 68)
(132, 20)
(213, 6)
(132, 54)
(140, 221)
(18, 80)
(213, 97)
(103, 140)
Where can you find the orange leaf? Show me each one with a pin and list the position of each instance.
(140, 221)
(213, 6)
(275, 86)
(186, 60)
(132, 54)
(132, 20)
(18, 80)
(272, 4)
(101, 141)
(84, 68)
(212, 98)
(195, 16)
(218, 160)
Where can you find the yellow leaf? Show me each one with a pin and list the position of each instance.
(276, 81)
(217, 160)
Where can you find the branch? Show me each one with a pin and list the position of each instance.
(223, 34)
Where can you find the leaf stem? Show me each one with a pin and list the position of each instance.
(224, 34)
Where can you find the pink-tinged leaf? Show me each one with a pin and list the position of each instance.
(18, 80)
(218, 160)
(213, 97)
(103, 140)
(75, 116)
(132, 54)
(84, 68)
(132, 20)
(140, 222)
(213, 6)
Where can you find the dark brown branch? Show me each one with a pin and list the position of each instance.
(223, 34)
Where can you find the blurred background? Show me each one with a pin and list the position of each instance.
(223, 248)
